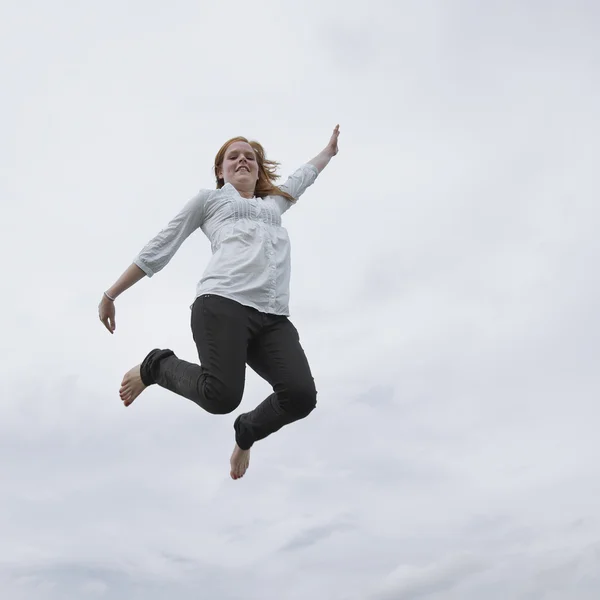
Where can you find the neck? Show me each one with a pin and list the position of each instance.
(244, 192)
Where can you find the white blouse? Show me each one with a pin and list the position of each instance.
(250, 249)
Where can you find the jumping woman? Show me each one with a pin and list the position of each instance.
(241, 311)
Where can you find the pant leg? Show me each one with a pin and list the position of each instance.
(222, 330)
(278, 357)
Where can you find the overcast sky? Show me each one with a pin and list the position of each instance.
(444, 283)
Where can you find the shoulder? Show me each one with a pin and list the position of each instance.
(197, 202)
(206, 196)
(211, 195)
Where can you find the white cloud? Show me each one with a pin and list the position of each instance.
(410, 582)
(443, 285)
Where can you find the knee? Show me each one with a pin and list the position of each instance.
(224, 407)
(302, 400)
(222, 400)
(227, 403)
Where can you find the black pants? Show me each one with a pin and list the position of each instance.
(228, 336)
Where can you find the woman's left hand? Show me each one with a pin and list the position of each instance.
(322, 159)
(332, 147)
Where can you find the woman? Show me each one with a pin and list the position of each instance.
(240, 314)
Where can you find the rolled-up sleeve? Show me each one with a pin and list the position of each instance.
(157, 253)
(296, 184)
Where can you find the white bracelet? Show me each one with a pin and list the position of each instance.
(109, 297)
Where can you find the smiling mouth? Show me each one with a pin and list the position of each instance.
(244, 169)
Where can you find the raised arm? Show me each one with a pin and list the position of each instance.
(322, 159)
(305, 176)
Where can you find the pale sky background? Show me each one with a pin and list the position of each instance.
(444, 283)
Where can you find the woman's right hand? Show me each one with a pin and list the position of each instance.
(106, 312)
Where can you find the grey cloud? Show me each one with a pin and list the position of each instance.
(557, 577)
(350, 46)
(570, 574)
(63, 580)
(407, 583)
(56, 581)
(380, 396)
(314, 535)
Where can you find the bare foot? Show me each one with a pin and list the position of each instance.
(131, 386)
(240, 460)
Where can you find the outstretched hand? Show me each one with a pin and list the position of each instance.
(332, 147)
(322, 159)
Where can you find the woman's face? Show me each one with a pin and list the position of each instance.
(240, 167)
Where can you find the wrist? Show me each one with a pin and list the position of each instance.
(110, 296)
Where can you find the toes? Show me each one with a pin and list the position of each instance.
(238, 472)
